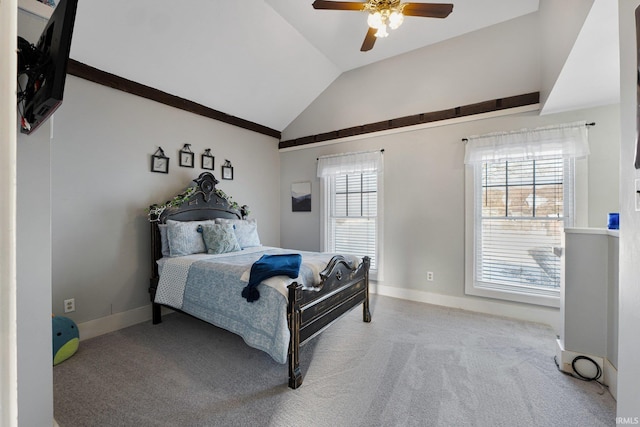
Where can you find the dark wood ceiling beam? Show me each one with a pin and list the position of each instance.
(417, 119)
(95, 75)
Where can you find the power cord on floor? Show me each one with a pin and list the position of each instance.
(581, 377)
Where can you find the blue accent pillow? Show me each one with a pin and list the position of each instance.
(219, 238)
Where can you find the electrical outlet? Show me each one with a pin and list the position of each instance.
(430, 276)
(69, 305)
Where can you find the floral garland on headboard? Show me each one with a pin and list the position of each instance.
(154, 211)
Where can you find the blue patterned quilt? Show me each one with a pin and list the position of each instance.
(209, 287)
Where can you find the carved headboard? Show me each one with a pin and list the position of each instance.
(200, 202)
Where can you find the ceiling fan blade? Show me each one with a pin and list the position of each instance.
(428, 10)
(369, 40)
(338, 5)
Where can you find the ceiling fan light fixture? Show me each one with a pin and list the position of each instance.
(395, 19)
(385, 13)
(375, 20)
(382, 31)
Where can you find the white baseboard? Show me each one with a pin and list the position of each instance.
(546, 315)
(565, 359)
(611, 378)
(114, 322)
(609, 372)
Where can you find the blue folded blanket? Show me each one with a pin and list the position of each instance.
(269, 266)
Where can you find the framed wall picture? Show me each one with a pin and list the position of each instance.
(227, 170)
(207, 160)
(186, 156)
(301, 197)
(159, 162)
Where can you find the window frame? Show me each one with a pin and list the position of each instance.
(515, 293)
(327, 188)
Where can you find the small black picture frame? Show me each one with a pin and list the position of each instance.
(159, 162)
(207, 160)
(227, 170)
(187, 157)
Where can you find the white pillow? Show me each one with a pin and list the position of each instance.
(246, 231)
(183, 237)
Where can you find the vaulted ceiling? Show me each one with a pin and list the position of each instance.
(261, 60)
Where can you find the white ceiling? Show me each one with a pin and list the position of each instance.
(261, 60)
(591, 74)
(339, 34)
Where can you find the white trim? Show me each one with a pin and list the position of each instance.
(8, 177)
(448, 122)
(542, 297)
(114, 322)
(324, 206)
(547, 316)
(585, 230)
(531, 313)
(611, 378)
(565, 357)
(379, 273)
(609, 372)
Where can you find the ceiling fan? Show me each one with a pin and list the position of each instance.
(386, 13)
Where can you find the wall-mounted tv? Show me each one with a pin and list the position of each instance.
(42, 68)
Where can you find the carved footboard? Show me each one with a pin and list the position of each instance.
(312, 310)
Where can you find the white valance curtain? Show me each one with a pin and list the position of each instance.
(350, 163)
(568, 141)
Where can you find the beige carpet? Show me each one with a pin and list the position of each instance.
(414, 365)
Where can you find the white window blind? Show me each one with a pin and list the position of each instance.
(521, 215)
(523, 199)
(352, 204)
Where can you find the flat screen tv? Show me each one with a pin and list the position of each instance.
(42, 68)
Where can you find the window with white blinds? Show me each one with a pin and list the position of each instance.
(520, 213)
(351, 187)
(353, 211)
(520, 197)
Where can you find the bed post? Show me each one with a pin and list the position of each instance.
(153, 281)
(293, 317)
(156, 313)
(366, 314)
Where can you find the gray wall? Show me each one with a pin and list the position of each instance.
(101, 186)
(33, 265)
(499, 61)
(629, 297)
(424, 172)
(33, 250)
(424, 195)
(525, 54)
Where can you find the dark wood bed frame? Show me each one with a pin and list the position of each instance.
(310, 310)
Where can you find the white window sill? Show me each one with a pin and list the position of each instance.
(546, 298)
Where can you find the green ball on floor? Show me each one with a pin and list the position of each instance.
(66, 338)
